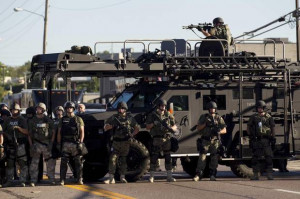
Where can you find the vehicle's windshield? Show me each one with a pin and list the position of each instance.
(125, 96)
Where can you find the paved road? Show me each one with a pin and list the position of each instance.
(285, 185)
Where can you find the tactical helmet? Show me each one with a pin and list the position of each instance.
(15, 106)
(161, 102)
(3, 105)
(122, 105)
(59, 108)
(41, 105)
(5, 112)
(30, 110)
(218, 20)
(69, 104)
(261, 103)
(211, 105)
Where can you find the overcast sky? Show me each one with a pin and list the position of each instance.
(84, 22)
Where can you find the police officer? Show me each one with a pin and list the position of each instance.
(41, 131)
(70, 142)
(122, 124)
(16, 133)
(59, 113)
(261, 129)
(2, 163)
(210, 126)
(156, 122)
(221, 31)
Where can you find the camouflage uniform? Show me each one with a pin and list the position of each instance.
(121, 141)
(16, 151)
(222, 32)
(161, 138)
(41, 130)
(260, 135)
(209, 142)
(70, 138)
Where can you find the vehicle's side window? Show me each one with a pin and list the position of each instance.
(180, 102)
(138, 101)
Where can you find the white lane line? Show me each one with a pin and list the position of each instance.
(287, 191)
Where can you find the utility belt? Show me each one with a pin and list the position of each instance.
(121, 139)
(19, 141)
(42, 143)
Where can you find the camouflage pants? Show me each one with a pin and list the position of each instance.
(70, 149)
(161, 145)
(21, 159)
(208, 146)
(38, 150)
(259, 149)
(119, 149)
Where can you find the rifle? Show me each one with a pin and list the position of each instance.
(204, 26)
(164, 124)
(123, 128)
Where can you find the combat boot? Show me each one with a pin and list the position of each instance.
(80, 181)
(32, 184)
(198, 176)
(22, 184)
(213, 173)
(270, 176)
(255, 176)
(62, 182)
(151, 179)
(111, 179)
(170, 177)
(123, 179)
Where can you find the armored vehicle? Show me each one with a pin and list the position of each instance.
(187, 81)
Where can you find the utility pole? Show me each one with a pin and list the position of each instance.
(45, 37)
(297, 30)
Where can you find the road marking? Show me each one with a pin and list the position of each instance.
(287, 191)
(99, 192)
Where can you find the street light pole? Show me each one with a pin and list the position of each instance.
(45, 17)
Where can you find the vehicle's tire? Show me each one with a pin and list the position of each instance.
(93, 172)
(138, 162)
(242, 170)
(189, 165)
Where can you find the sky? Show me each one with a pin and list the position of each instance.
(78, 22)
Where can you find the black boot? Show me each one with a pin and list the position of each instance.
(212, 174)
(198, 176)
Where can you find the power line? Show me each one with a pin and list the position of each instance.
(87, 9)
(16, 25)
(25, 2)
(6, 9)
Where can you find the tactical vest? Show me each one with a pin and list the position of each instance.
(222, 32)
(262, 124)
(159, 130)
(21, 138)
(123, 126)
(40, 130)
(70, 129)
(215, 122)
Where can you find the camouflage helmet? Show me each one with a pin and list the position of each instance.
(5, 112)
(3, 105)
(59, 108)
(69, 104)
(161, 102)
(30, 110)
(211, 105)
(261, 104)
(15, 106)
(42, 105)
(122, 105)
(218, 20)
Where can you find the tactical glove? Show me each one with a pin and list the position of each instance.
(1, 151)
(200, 29)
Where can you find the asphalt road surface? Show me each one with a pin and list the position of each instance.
(284, 186)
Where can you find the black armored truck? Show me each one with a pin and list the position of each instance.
(187, 81)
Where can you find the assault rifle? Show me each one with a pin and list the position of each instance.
(164, 124)
(123, 128)
(201, 26)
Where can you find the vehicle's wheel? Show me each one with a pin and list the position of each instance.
(138, 162)
(93, 172)
(189, 165)
(241, 169)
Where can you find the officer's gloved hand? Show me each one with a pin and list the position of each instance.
(1, 151)
(80, 147)
(200, 29)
